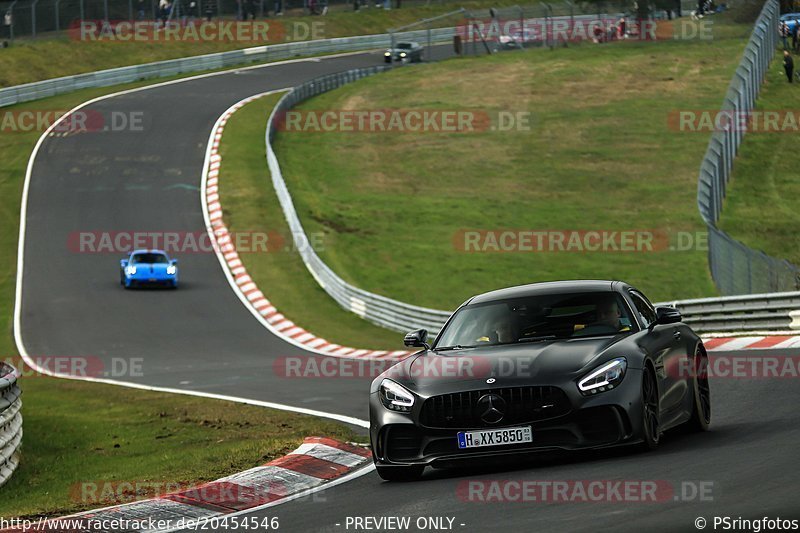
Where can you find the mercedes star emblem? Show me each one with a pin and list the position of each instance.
(491, 408)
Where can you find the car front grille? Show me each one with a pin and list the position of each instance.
(522, 404)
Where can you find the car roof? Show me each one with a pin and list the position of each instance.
(146, 251)
(548, 287)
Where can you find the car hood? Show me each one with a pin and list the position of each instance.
(547, 362)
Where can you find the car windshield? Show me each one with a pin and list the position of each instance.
(404, 46)
(538, 317)
(149, 258)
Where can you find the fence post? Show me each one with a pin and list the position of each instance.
(33, 17)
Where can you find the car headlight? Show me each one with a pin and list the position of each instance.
(402, 54)
(172, 270)
(130, 270)
(603, 378)
(395, 397)
(387, 54)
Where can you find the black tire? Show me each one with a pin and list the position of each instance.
(651, 428)
(701, 399)
(400, 473)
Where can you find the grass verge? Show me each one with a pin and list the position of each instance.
(761, 207)
(250, 205)
(30, 60)
(80, 432)
(600, 155)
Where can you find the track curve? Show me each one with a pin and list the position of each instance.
(202, 338)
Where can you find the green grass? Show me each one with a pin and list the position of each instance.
(80, 432)
(250, 205)
(761, 207)
(600, 155)
(29, 60)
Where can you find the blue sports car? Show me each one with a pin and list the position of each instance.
(148, 268)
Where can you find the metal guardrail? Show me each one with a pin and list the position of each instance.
(779, 311)
(386, 312)
(736, 268)
(752, 312)
(10, 421)
(173, 67)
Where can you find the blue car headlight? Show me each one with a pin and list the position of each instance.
(172, 270)
(603, 378)
(130, 270)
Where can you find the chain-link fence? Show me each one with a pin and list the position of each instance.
(736, 268)
(34, 18)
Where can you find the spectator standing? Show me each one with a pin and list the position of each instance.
(795, 32)
(163, 10)
(8, 21)
(788, 65)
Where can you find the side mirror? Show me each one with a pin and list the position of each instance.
(417, 339)
(174, 261)
(124, 261)
(667, 315)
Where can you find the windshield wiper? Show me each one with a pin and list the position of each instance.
(455, 347)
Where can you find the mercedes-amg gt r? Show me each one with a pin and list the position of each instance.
(550, 366)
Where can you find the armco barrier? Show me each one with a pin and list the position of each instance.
(173, 67)
(380, 310)
(742, 313)
(751, 312)
(10, 421)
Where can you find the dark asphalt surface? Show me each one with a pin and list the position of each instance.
(201, 337)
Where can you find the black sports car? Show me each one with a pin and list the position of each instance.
(550, 366)
(405, 52)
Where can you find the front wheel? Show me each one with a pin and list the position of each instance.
(400, 473)
(651, 428)
(701, 401)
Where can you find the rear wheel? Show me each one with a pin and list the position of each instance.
(400, 473)
(701, 404)
(651, 428)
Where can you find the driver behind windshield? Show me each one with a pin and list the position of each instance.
(499, 329)
(607, 319)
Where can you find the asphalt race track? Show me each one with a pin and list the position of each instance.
(202, 338)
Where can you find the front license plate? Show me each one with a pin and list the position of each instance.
(152, 280)
(494, 437)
